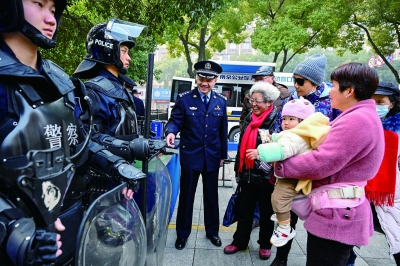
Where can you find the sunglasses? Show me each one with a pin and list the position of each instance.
(299, 81)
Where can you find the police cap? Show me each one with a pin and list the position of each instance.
(387, 88)
(207, 69)
(128, 83)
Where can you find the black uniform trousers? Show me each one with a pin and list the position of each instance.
(188, 185)
(326, 252)
(251, 193)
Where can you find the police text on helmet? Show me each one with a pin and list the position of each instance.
(105, 44)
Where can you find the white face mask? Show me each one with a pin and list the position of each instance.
(382, 110)
(312, 91)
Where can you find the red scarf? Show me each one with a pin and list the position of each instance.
(249, 138)
(380, 189)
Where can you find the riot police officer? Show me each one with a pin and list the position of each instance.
(107, 60)
(45, 132)
(31, 88)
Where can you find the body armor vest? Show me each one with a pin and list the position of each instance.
(126, 125)
(41, 141)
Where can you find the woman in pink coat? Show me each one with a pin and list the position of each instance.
(350, 155)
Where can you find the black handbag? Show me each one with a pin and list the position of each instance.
(232, 209)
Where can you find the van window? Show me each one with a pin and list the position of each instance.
(180, 86)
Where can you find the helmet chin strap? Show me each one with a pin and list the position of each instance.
(120, 66)
(123, 71)
(37, 37)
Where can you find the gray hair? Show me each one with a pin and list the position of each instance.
(269, 91)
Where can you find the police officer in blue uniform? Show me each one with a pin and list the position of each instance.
(200, 116)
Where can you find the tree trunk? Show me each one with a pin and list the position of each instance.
(187, 56)
(202, 43)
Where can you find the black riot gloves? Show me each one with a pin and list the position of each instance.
(127, 173)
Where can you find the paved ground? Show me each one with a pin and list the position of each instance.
(199, 250)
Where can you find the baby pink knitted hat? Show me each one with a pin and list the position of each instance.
(300, 108)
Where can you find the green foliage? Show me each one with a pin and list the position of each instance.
(170, 67)
(286, 31)
(257, 57)
(380, 20)
(203, 28)
(333, 61)
(297, 26)
(81, 15)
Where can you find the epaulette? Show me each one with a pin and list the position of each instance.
(222, 96)
(184, 94)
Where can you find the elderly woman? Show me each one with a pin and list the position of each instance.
(256, 179)
(340, 168)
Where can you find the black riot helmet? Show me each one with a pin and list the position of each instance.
(103, 45)
(12, 19)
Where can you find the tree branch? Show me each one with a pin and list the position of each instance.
(212, 34)
(376, 49)
(77, 21)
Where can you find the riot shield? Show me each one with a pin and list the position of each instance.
(112, 232)
(158, 203)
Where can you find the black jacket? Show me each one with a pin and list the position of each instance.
(254, 175)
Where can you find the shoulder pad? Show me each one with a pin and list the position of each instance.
(184, 94)
(106, 87)
(6, 59)
(56, 68)
(102, 82)
(58, 76)
(221, 96)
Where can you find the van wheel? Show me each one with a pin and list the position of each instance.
(235, 135)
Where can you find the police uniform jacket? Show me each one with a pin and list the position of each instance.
(203, 133)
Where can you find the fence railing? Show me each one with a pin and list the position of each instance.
(159, 114)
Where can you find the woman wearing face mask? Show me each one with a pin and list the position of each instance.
(383, 191)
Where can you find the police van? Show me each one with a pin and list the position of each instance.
(234, 83)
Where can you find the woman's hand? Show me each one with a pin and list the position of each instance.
(59, 227)
(252, 154)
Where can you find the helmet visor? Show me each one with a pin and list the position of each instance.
(124, 30)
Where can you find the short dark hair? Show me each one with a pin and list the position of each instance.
(396, 104)
(363, 79)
